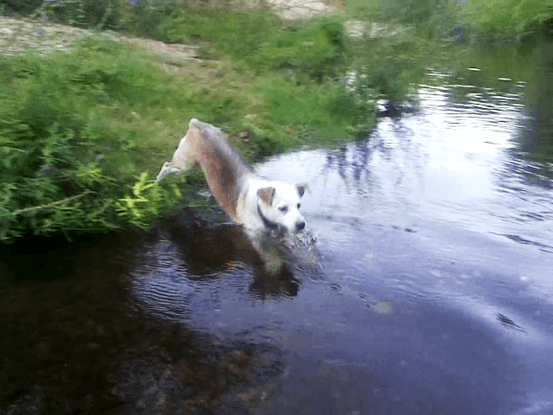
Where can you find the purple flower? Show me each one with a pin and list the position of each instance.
(38, 30)
(51, 1)
(100, 159)
(45, 171)
(44, 18)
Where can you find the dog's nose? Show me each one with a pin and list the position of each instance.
(300, 226)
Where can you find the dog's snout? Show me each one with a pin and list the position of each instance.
(300, 226)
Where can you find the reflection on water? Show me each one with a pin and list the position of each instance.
(185, 267)
(72, 342)
(446, 212)
(430, 291)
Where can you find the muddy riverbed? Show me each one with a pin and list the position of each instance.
(429, 292)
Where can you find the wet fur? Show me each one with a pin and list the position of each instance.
(248, 199)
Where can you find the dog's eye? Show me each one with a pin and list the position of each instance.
(299, 205)
(283, 209)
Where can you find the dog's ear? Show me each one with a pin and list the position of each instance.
(302, 187)
(266, 194)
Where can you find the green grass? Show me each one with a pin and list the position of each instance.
(261, 42)
(490, 20)
(506, 19)
(314, 114)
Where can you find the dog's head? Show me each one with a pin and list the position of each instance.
(279, 206)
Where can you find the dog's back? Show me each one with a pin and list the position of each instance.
(223, 167)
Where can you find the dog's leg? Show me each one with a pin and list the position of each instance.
(183, 159)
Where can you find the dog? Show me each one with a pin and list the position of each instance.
(255, 203)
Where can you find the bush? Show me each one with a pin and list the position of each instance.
(400, 11)
(312, 114)
(64, 165)
(490, 19)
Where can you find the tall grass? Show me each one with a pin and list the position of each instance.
(65, 166)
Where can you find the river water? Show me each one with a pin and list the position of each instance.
(429, 292)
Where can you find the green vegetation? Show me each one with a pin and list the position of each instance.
(505, 19)
(487, 20)
(66, 154)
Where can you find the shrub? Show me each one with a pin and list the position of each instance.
(312, 114)
(64, 165)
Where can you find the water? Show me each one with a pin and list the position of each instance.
(431, 291)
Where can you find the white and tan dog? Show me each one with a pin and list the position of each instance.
(256, 203)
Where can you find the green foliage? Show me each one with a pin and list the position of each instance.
(63, 165)
(155, 18)
(100, 14)
(505, 19)
(389, 68)
(327, 110)
(399, 11)
(489, 19)
(21, 7)
(145, 203)
(311, 50)
(236, 34)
